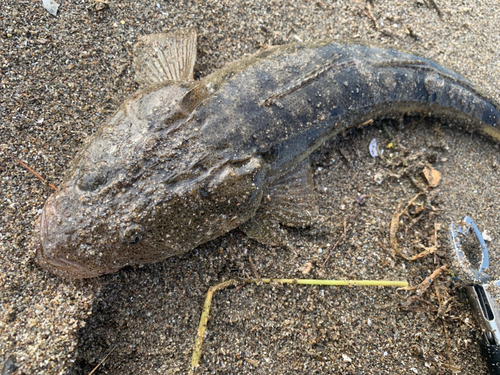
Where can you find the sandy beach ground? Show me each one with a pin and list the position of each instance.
(62, 76)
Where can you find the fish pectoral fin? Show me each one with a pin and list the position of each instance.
(290, 201)
(165, 57)
(291, 198)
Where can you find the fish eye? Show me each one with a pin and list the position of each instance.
(91, 180)
(136, 239)
(132, 234)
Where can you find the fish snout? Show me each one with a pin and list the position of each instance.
(56, 246)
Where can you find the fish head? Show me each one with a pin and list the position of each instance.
(145, 187)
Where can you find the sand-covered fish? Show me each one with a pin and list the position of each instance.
(182, 161)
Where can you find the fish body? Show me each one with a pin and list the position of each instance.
(183, 162)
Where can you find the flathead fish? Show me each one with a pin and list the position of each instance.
(183, 162)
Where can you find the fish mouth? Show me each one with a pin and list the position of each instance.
(56, 264)
(64, 267)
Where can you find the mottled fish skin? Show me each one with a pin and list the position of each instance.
(180, 164)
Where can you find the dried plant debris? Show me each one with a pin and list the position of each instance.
(306, 268)
(415, 215)
(442, 306)
(411, 164)
(420, 289)
(432, 176)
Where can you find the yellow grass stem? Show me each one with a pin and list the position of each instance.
(203, 323)
(332, 282)
(208, 301)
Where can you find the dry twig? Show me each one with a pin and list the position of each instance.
(368, 12)
(100, 363)
(336, 244)
(427, 282)
(434, 5)
(442, 306)
(30, 170)
(394, 229)
(254, 269)
(395, 225)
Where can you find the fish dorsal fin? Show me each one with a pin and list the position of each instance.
(165, 57)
